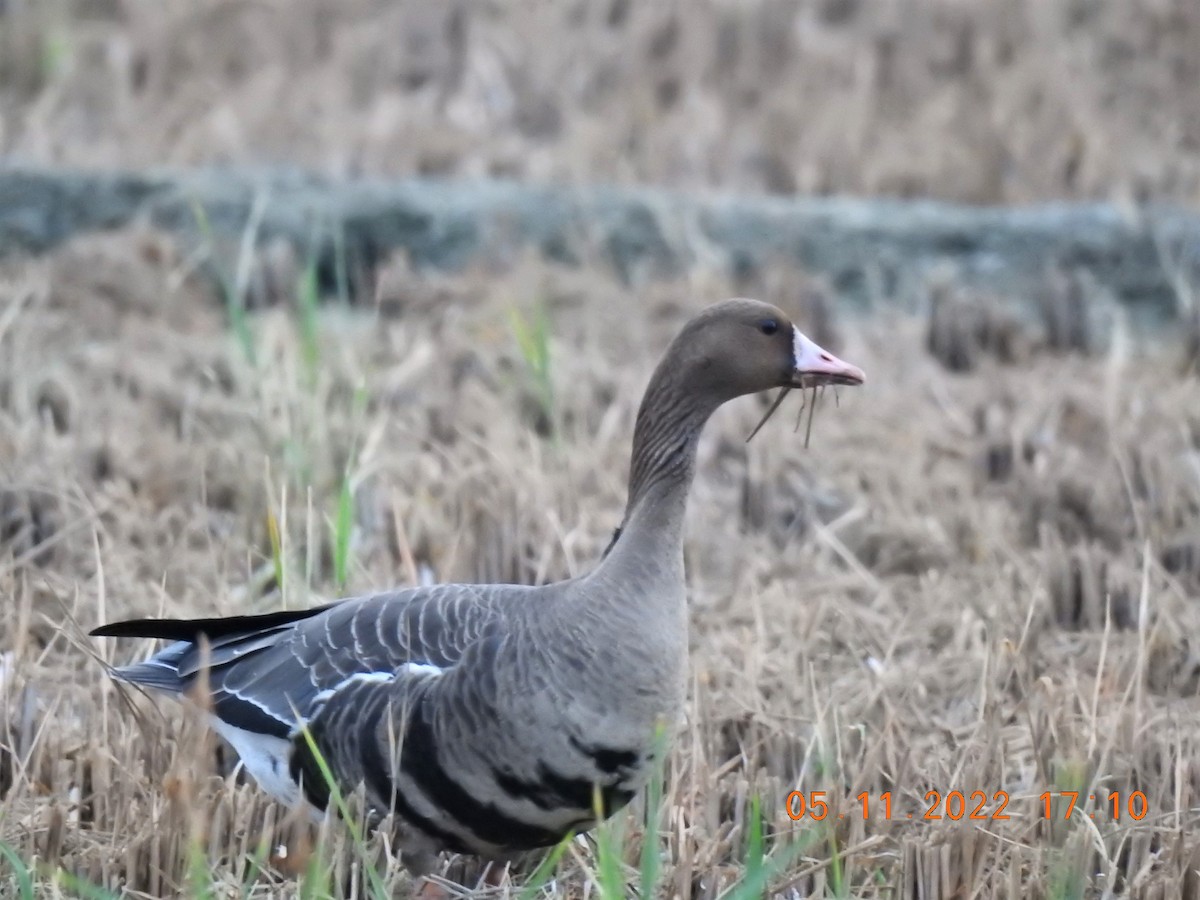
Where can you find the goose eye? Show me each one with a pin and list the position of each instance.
(768, 326)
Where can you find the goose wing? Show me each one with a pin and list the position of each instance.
(269, 674)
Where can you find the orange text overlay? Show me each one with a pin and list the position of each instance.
(972, 806)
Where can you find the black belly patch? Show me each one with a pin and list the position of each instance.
(554, 791)
(609, 760)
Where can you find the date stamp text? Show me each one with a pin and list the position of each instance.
(991, 806)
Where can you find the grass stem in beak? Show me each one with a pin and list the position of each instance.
(770, 412)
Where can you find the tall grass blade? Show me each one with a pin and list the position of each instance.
(755, 853)
(837, 874)
(343, 527)
(760, 870)
(608, 854)
(375, 882)
(85, 890)
(533, 343)
(256, 868)
(317, 881)
(341, 274)
(342, 524)
(544, 873)
(20, 872)
(235, 308)
(650, 868)
(308, 300)
(199, 880)
(276, 549)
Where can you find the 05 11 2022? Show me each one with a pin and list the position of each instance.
(952, 805)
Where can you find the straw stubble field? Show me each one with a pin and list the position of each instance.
(976, 582)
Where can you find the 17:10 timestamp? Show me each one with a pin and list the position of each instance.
(1134, 805)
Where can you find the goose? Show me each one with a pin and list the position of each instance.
(488, 718)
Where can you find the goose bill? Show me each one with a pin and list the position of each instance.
(815, 366)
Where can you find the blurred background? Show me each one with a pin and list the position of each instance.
(981, 573)
(953, 99)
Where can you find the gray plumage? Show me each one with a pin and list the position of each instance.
(489, 718)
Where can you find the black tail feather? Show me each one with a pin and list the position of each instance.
(193, 629)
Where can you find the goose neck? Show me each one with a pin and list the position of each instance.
(666, 435)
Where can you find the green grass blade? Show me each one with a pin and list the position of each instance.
(257, 867)
(235, 309)
(341, 272)
(83, 889)
(55, 57)
(343, 525)
(308, 301)
(199, 880)
(317, 881)
(650, 868)
(276, 549)
(533, 343)
(837, 875)
(758, 875)
(608, 854)
(546, 869)
(755, 854)
(21, 873)
(375, 882)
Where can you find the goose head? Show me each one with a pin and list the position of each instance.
(743, 346)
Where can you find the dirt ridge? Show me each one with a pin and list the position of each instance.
(868, 249)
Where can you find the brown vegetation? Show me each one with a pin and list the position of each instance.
(983, 575)
(982, 102)
(983, 581)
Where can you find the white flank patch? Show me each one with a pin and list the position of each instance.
(420, 669)
(266, 759)
(324, 695)
(406, 669)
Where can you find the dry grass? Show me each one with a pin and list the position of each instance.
(981, 581)
(968, 100)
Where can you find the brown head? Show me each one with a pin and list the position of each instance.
(732, 348)
(745, 346)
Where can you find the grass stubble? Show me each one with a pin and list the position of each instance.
(962, 100)
(976, 581)
(981, 574)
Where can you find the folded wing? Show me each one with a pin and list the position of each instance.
(264, 677)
